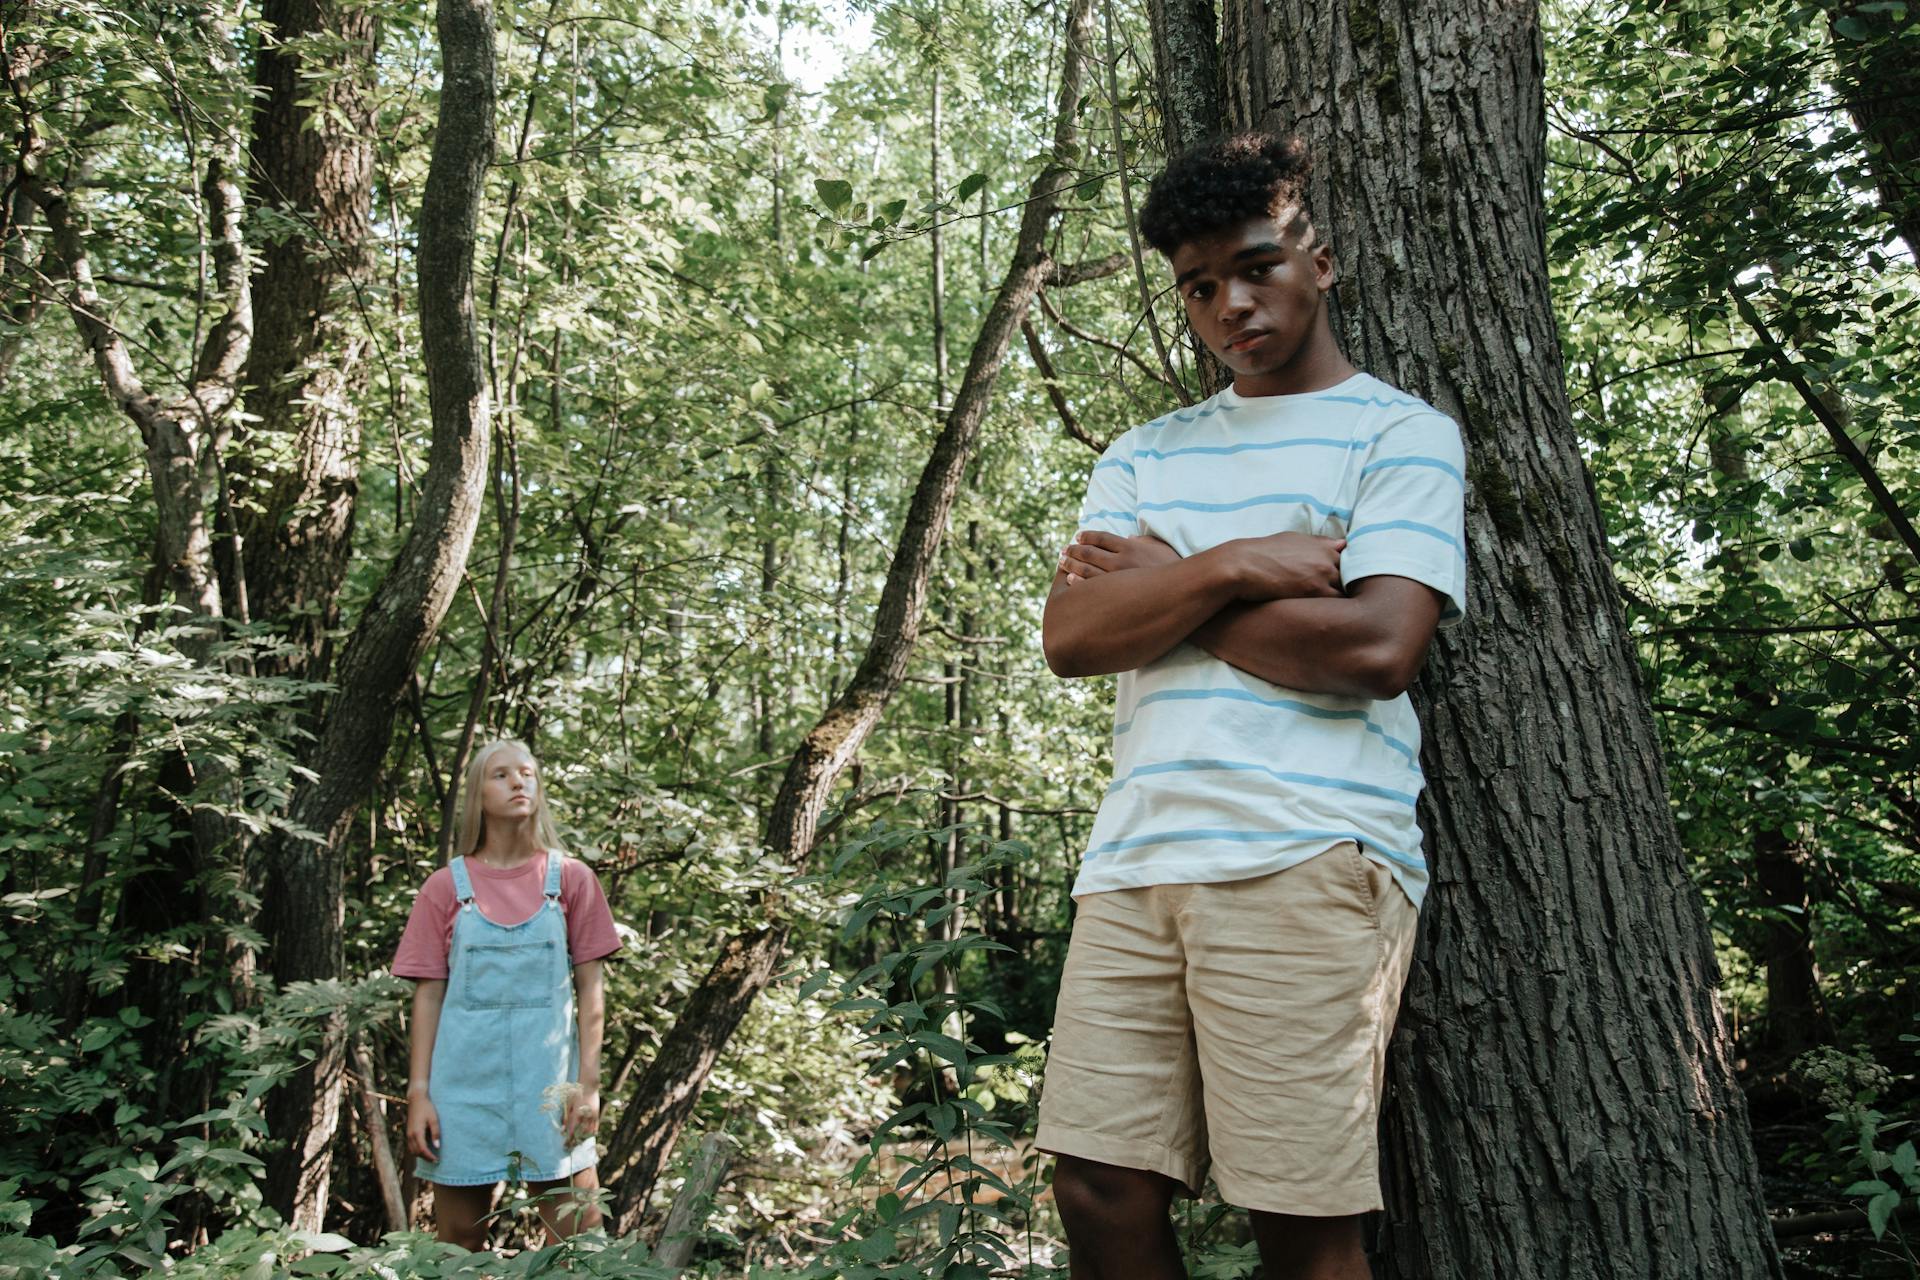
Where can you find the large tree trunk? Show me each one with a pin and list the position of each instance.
(666, 1094)
(1562, 1097)
(303, 905)
(299, 466)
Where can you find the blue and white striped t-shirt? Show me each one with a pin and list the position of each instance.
(1221, 775)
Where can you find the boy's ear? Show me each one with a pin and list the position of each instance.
(1325, 269)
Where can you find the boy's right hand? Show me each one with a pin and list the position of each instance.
(423, 1127)
(1285, 566)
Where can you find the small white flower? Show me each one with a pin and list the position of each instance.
(557, 1100)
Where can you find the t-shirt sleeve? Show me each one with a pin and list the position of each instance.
(1409, 517)
(1110, 504)
(590, 931)
(429, 933)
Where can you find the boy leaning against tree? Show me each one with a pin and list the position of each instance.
(1264, 571)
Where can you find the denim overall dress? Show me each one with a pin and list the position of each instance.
(507, 1037)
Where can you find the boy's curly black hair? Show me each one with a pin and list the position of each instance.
(1221, 184)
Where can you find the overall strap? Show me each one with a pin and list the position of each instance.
(554, 859)
(462, 886)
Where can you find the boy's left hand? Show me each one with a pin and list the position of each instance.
(1093, 553)
(583, 1116)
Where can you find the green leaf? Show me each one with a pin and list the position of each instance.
(1903, 1161)
(322, 1241)
(877, 1247)
(969, 184)
(835, 193)
(1879, 1209)
(943, 1047)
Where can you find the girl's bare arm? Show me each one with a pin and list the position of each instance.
(590, 995)
(423, 1121)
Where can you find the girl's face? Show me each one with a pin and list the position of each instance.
(510, 786)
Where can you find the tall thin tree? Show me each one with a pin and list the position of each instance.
(304, 904)
(665, 1097)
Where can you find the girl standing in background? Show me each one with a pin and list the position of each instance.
(503, 944)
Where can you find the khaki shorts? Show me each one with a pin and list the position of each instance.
(1244, 1022)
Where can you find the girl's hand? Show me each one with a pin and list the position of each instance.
(583, 1116)
(1093, 553)
(423, 1127)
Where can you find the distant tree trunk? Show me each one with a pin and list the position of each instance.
(186, 434)
(1877, 54)
(1562, 1096)
(1794, 1018)
(303, 905)
(312, 161)
(667, 1093)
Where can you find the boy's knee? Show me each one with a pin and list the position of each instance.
(1109, 1198)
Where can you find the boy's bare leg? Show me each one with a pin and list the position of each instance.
(563, 1214)
(459, 1215)
(1297, 1248)
(1116, 1220)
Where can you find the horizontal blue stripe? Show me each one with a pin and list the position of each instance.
(1222, 450)
(1437, 464)
(1384, 404)
(1236, 766)
(1122, 463)
(1238, 836)
(1412, 525)
(1285, 704)
(1205, 409)
(1271, 499)
(1107, 515)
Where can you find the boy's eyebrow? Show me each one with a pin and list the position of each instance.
(1251, 251)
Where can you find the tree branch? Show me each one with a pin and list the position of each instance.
(1051, 381)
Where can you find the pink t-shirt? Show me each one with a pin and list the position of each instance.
(505, 897)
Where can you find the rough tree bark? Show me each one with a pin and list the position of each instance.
(303, 905)
(296, 472)
(666, 1094)
(1193, 110)
(1562, 1099)
(1877, 54)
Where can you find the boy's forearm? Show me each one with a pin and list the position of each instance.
(1369, 645)
(1120, 621)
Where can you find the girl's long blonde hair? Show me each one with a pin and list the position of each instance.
(473, 819)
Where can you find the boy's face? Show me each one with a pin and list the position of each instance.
(1253, 293)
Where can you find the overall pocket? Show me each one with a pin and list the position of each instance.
(514, 975)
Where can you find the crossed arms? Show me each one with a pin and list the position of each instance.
(1271, 606)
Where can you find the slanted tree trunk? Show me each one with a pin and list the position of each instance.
(1562, 1097)
(666, 1094)
(312, 162)
(303, 904)
(186, 431)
